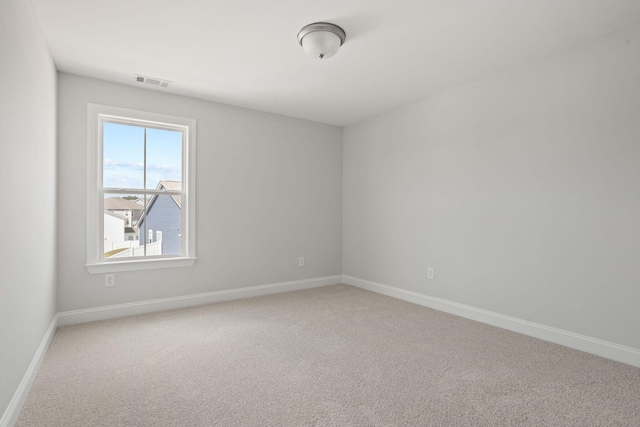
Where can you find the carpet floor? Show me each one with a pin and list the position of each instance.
(330, 356)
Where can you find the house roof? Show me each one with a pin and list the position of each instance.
(172, 186)
(120, 204)
(165, 185)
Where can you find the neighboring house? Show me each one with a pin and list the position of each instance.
(127, 208)
(131, 234)
(163, 220)
(113, 227)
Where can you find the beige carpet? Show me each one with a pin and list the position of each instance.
(332, 356)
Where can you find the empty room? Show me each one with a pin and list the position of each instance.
(337, 213)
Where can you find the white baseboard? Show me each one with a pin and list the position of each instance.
(121, 310)
(13, 410)
(609, 350)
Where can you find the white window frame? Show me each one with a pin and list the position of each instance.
(97, 115)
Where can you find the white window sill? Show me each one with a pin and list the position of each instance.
(134, 265)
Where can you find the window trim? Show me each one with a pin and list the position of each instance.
(96, 113)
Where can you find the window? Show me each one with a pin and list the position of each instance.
(143, 165)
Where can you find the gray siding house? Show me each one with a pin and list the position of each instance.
(162, 220)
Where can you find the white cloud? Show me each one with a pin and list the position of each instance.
(110, 164)
(124, 174)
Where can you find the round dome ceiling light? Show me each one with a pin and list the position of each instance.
(321, 40)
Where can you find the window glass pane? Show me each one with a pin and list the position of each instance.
(161, 226)
(121, 232)
(164, 156)
(142, 225)
(123, 157)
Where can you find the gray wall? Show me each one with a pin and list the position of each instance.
(28, 177)
(269, 189)
(522, 191)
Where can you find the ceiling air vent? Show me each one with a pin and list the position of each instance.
(152, 81)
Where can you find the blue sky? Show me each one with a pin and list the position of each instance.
(124, 156)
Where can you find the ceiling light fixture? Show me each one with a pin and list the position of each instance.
(321, 39)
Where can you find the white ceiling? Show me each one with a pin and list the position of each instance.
(245, 52)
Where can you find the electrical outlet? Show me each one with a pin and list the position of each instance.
(430, 273)
(109, 280)
(301, 261)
